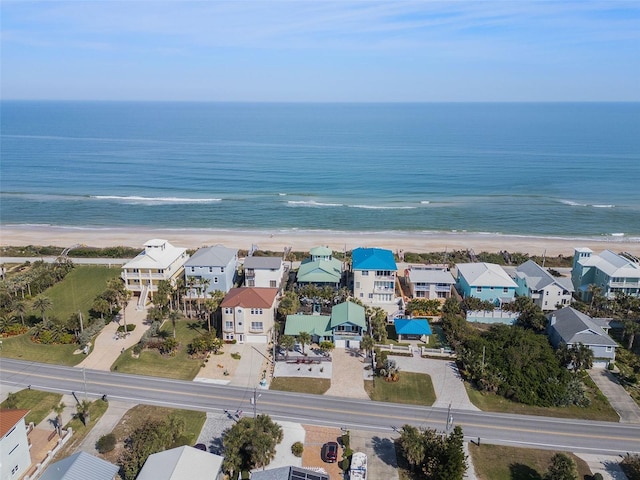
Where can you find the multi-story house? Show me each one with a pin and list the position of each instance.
(159, 261)
(263, 272)
(609, 271)
(374, 277)
(15, 459)
(429, 281)
(248, 314)
(211, 269)
(546, 291)
(486, 281)
(321, 269)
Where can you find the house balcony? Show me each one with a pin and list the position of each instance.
(347, 336)
(389, 278)
(625, 284)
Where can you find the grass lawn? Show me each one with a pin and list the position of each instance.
(151, 362)
(411, 388)
(96, 410)
(494, 462)
(39, 403)
(316, 386)
(600, 409)
(78, 290)
(22, 348)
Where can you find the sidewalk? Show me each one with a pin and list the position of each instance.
(107, 346)
(105, 425)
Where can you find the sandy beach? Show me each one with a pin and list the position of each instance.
(304, 240)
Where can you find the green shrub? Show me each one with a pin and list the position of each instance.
(611, 366)
(597, 476)
(345, 440)
(130, 327)
(297, 449)
(235, 356)
(106, 443)
(344, 464)
(137, 349)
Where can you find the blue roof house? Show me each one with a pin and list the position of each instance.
(486, 281)
(374, 277)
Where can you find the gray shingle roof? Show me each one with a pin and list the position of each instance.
(576, 327)
(538, 278)
(217, 256)
(263, 262)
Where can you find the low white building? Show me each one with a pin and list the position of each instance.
(182, 463)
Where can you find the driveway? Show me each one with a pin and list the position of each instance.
(347, 379)
(381, 454)
(107, 347)
(618, 397)
(446, 379)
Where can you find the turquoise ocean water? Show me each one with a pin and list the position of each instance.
(524, 169)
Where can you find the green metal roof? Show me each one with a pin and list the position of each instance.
(313, 324)
(321, 251)
(321, 271)
(348, 312)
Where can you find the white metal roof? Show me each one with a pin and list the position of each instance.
(485, 275)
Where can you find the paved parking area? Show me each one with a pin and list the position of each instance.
(618, 397)
(315, 437)
(347, 379)
(381, 454)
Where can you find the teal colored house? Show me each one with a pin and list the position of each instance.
(610, 272)
(344, 327)
(321, 269)
(486, 281)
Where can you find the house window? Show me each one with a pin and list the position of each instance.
(609, 349)
(228, 336)
(357, 284)
(365, 273)
(215, 279)
(228, 311)
(15, 469)
(251, 283)
(256, 311)
(256, 326)
(135, 270)
(505, 290)
(210, 269)
(228, 325)
(478, 289)
(221, 269)
(193, 269)
(272, 284)
(371, 295)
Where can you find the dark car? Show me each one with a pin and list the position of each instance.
(330, 452)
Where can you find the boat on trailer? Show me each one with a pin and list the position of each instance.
(358, 469)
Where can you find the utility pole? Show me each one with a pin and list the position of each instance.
(254, 402)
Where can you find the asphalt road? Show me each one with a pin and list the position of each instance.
(518, 430)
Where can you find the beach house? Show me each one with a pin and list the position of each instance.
(320, 269)
(429, 281)
(81, 465)
(248, 314)
(608, 271)
(546, 291)
(158, 261)
(182, 463)
(486, 281)
(15, 459)
(571, 327)
(345, 326)
(210, 269)
(374, 277)
(263, 272)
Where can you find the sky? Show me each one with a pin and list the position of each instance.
(321, 51)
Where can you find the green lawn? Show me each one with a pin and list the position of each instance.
(151, 362)
(39, 403)
(22, 348)
(494, 462)
(78, 290)
(141, 414)
(411, 388)
(598, 410)
(316, 386)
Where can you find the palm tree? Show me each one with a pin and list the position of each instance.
(287, 342)
(84, 411)
(413, 446)
(125, 295)
(191, 281)
(20, 308)
(367, 343)
(631, 329)
(163, 294)
(174, 316)
(42, 304)
(204, 284)
(304, 338)
(6, 321)
(211, 305)
(582, 357)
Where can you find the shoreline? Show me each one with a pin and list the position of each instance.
(304, 240)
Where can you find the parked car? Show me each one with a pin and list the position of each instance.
(330, 452)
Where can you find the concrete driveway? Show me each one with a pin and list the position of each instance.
(347, 378)
(618, 397)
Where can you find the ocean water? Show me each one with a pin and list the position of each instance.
(522, 169)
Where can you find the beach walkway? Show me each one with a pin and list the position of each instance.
(108, 346)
